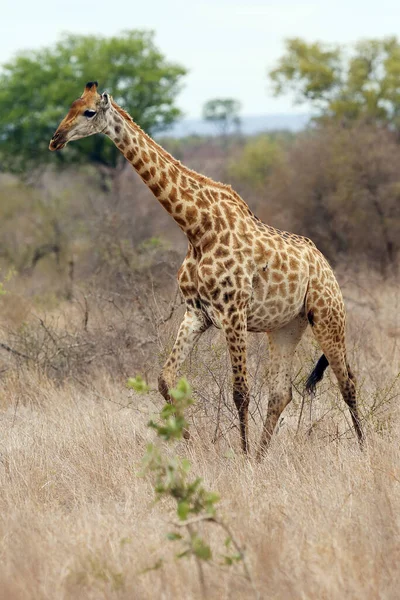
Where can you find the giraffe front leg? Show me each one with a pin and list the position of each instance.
(236, 337)
(193, 325)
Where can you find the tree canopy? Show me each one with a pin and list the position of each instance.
(36, 88)
(224, 112)
(260, 156)
(360, 82)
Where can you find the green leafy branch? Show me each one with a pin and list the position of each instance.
(171, 478)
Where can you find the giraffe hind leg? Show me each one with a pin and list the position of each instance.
(347, 387)
(282, 344)
(354, 409)
(330, 336)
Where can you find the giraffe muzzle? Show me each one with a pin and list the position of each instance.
(57, 142)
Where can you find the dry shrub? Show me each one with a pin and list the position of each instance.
(341, 188)
(97, 330)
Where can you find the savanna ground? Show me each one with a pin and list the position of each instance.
(83, 308)
(317, 518)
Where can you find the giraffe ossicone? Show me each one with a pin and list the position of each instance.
(239, 274)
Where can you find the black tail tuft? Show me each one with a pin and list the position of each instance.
(317, 374)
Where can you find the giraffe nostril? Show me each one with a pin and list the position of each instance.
(57, 142)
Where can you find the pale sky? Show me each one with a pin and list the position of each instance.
(227, 45)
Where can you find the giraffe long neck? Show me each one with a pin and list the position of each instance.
(189, 198)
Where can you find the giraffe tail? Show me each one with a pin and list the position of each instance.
(317, 374)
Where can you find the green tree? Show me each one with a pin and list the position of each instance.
(362, 83)
(35, 85)
(259, 157)
(224, 112)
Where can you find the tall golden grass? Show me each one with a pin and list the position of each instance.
(317, 518)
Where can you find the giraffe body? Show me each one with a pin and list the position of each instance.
(239, 274)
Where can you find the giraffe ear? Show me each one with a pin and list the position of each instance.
(90, 88)
(105, 101)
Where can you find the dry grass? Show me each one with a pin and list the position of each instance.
(318, 518)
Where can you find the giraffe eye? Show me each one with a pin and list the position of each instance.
(89, 113)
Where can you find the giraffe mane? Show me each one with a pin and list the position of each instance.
(202, 178)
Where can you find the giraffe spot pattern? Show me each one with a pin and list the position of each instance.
(239, 273)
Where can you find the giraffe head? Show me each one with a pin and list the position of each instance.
(87, 115)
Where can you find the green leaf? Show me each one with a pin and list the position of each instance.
(237, 557)
(185, 463)
(177, 395)
(138, 384)
(212, 497)
(183, 510)
(167, 411)
(200, 549)
(174, 536)
(182, 390)
(230, 559)
(192, 487)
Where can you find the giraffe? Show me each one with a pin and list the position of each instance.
(239, 275)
